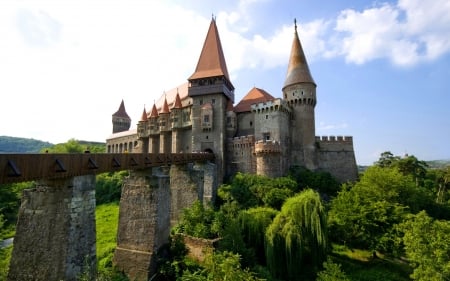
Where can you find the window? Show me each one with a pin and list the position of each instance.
(200, 102)
(251, 123)
(213, 101)
(206, 118)
(267, 116)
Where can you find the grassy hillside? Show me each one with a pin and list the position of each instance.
(21, 145)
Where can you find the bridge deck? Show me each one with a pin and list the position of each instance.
(27, 167)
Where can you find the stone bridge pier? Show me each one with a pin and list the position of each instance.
(151, 202)
(55, 233)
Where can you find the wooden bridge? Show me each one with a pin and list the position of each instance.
(28, 167)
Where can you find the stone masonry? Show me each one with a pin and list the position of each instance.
(55, 233)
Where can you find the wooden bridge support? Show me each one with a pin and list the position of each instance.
(55, 233)
(143, 222)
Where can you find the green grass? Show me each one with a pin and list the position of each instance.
(107, 218)
(5, 256)
(359, 265)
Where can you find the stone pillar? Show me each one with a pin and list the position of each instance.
(210, 183)
(55, 233)
(144, 222)
(186, 187)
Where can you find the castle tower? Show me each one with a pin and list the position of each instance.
(120, 120)
(210, 89)
(143, 131)
(299, 91)
(268, 159)
(165, 142)
(176, 120)
(154, 130)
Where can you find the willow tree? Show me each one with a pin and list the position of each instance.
(296, 240)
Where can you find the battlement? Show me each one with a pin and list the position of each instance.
(334, 143)
(273, 105)
(267, 147)
(334, 139)
(242, 141)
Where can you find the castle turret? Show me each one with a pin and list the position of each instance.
(120, 120)
(164, 129)
(210, 89)
(143, 131)
(299, 91)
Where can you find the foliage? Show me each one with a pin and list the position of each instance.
(331, 272)
(427, 246)
(108, 187)
(21, 145)
(323, 182)
(10, 201)
(364, 215)
(75, 146)
(200, 221)
(5, 257)
(220, 266)
(172, 261)
(248, 191)
(297, 238)
(253, 223)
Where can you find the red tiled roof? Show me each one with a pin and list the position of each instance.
(154, 112)
(144, 116)
(255, 95)
(212, 60)
(298, 70)
(170, 96)
(165, 108)
(121, 112)
(177, 103)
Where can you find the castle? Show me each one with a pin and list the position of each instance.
(260, 134)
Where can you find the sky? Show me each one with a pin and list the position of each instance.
(382, 68)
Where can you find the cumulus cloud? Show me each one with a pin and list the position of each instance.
(406, 33)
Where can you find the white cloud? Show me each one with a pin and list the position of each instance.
(327, 127)
(406, 33)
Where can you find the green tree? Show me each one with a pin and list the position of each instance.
(220, 266)
(323, 182)
(71, 146)
(410, 165)
(427, 247)
(331, 272)
(108, 187)
(387, 159)
(254, 223)
(364, 215)
(297, 238)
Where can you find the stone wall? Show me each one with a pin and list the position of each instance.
(336, 156)
(55, 233)
(144, 222)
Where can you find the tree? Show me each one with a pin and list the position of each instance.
(253, 223)
(387, 159)
(220, 266)
(331, 272)
(410, 165)
(427, 246)
(323, 182)
(296, 240)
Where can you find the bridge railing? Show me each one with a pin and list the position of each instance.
(27, 167)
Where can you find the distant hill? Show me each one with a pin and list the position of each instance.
(26, 145)
(21, 145)
(438, 164)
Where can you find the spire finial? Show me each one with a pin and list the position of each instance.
(295, 24)
(213, 17)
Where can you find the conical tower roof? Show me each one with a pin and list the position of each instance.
(298, 70)
(154, 112)
(121, 112)
(212, 60)
(177, 103)
(165, 108)
(144, 116)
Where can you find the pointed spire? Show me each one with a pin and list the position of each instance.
(165, 107)
(298, 70)
(177, 103)
(144, 116)
(212, 60)
(154, 112)
(121, 112)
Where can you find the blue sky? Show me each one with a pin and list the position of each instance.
(382, 68)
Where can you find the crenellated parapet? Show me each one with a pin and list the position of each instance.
(334, 143)
(267, 147)
(242, 142)
(270, 106)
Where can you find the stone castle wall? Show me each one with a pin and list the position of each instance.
(240, 155)
(336, 156)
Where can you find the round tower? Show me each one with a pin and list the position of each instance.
(268, 158)
(299, 91)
